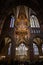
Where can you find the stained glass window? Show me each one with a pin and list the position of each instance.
(35, 49)
(9, 49)
(34, 21)
(21, 50)
(42, 48)
(12, 22)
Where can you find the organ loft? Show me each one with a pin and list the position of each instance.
(21, 36)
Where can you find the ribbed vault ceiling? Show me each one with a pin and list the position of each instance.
(36, 5)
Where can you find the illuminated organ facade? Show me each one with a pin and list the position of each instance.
(21, 35)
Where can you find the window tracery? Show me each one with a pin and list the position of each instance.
(34, 22)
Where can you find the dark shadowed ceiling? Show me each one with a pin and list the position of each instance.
(36, 5)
